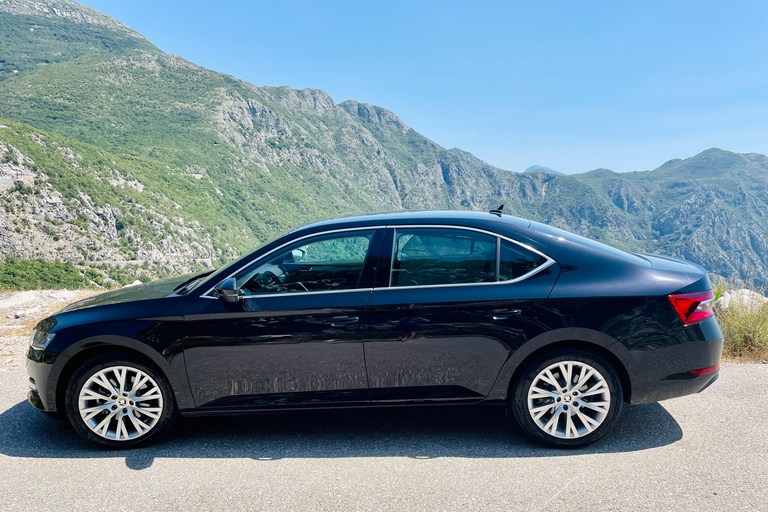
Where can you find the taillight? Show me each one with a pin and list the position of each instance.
(693, 307)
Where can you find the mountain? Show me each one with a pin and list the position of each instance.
(535, 168)
(127, 161)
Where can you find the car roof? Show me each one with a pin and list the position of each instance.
(554, 242)
(448, 217)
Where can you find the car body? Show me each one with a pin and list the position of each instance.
(395, 309)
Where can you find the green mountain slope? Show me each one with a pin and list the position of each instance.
(113, 153)
(36, 34)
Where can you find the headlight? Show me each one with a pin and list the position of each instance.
(40, 339)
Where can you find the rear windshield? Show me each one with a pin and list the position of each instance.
(591, 244)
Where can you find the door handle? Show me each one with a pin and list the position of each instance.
(342, 321)
(503, 314)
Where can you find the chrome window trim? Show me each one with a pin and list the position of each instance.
(549, 261)
(294, 293)
(312, 235)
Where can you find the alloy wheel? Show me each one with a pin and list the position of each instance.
(120, 403)
(569, 399)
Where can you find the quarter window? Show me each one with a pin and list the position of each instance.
(516, 261)
(324, 263)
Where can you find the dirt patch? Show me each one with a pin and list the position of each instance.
(20, 312)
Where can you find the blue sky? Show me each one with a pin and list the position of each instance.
(569, 85)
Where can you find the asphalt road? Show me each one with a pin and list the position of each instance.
(703, 452)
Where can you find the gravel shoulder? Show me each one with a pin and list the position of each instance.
(702, 452)
(20, 312)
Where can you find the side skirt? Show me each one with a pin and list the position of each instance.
(364, 405)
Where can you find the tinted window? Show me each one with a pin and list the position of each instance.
(432, 256)
(324, 263)
(517, 261)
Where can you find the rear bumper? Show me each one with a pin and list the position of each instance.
(673, 387)
(666, 371)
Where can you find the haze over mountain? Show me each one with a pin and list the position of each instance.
(112, 151)
(535, 168)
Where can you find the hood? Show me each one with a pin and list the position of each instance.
(140, 292)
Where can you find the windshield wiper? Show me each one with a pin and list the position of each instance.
(184, 287)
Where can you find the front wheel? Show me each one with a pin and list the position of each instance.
(570, 398)
(119, 402)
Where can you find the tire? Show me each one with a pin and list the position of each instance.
(104, 410)
(573, 418)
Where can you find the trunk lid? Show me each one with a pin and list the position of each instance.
(696, 273)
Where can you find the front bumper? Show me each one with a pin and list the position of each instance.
(34, 399)
(39, 370)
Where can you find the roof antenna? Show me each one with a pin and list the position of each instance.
(497, 211)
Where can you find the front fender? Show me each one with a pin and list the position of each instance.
(160, 342)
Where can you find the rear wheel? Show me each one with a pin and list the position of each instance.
(119, 402)
(568, 399)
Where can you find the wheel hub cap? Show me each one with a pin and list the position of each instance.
(569, 399)
(120, 403)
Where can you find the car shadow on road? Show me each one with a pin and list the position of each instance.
(415, 432)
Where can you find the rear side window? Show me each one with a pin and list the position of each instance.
(432, 256)
(444, 256)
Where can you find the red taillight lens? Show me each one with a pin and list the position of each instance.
(693, 307)
(707, 370)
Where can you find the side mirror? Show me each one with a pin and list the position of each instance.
(227, 290)
(298, 255)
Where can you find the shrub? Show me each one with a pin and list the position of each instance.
(745, 331)
(21, 274)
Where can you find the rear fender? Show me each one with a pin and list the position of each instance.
(554, 338)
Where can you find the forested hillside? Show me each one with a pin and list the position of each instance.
(126, 162)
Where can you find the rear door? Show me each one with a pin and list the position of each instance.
(449, 306)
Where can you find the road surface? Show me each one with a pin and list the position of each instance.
(703, 452)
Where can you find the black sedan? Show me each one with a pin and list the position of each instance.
(390, 309)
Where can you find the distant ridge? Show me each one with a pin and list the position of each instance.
(535, 168)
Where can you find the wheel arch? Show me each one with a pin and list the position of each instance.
(600, 344)
(599, 351)
(76, 355)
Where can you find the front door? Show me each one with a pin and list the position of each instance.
(295, 336)
(451, 308)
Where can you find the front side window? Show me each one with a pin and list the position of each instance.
(435, 256)
(323, 263)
